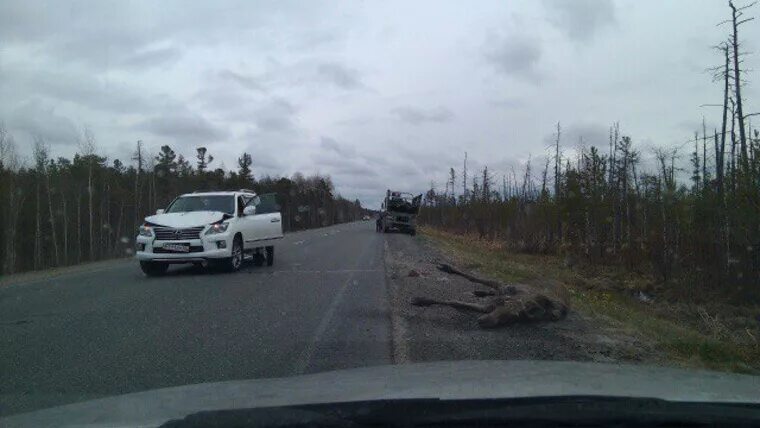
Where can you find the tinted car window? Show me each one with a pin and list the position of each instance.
(220, 203)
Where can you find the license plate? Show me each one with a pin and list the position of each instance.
(179, 248)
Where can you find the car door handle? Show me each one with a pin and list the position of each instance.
(274, 220)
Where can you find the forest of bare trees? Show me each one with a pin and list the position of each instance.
(57, 212)
(699, 224)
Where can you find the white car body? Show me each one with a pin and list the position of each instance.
(169, 232)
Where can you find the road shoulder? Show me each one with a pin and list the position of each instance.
(442, 333)
(63, 271)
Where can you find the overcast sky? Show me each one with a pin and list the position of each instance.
(377, 94)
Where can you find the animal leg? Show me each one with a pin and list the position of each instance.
(454, 271)
(456, 304)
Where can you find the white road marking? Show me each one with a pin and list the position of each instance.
(303, 363)
(305, 359)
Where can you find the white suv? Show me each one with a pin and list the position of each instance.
(210, 228)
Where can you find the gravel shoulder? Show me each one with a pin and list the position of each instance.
(442, 333)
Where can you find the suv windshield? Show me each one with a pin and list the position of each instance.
(222, 203)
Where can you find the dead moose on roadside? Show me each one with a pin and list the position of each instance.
(508, 304)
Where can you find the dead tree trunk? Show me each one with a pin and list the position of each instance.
(89, 204)
(720, 166)
(118, 227)
(64, 212)
(139, 158)
(37, 227)
(704, 154)
(107, 221)
(101, 226)
(53, 234)
(15, 200)
(79, 228)
(464, 178)
(733, 148)
(736, 14)
(557, 161)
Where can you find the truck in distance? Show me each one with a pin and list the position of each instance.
(399, 211)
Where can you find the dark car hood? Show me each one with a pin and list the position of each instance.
(442, 380)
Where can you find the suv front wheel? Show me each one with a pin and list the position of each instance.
(235, 261)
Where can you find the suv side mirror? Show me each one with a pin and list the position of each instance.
(160, 211)
(249, 210)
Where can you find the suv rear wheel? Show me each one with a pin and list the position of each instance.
(153, 268)
(270, 255)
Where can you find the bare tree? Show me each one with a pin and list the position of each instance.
(14, 197)
(722, 73)
(544, 177)
(704, 154)
(557, 163)
(41, 158)
(87, 147)
(527, 184)
(64, 212)
(452, 181)
(139, 158)
(464, 178)
(736, 21)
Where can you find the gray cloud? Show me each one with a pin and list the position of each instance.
(225, 101)
(417, 116)
(355, 121)
(509, 103)
(152, 58)
(277, 115)
(580, 20)
(515, 55)
(82, 89)
(244, 81)
(344, 150)
(339, 75)
(355, 171)
(184, 128)
(103, 34)
(315, 39)
(37, 119)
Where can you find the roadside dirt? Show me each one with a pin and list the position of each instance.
(442, 333)
(47, 274)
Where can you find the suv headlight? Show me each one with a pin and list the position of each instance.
(146, 231)
(217, 228)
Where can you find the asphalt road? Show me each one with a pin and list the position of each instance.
(90, 334)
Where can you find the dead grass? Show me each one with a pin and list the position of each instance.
(716, 335)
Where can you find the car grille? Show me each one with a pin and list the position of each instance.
(172, 234)
(193, 249)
